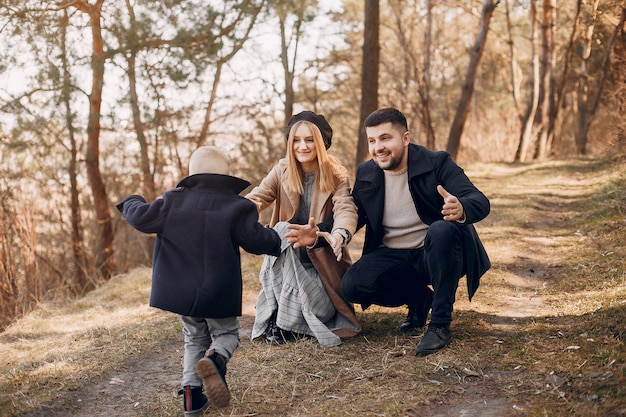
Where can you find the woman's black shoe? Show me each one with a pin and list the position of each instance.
(274, 335)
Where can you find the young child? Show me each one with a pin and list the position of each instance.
(200, 227)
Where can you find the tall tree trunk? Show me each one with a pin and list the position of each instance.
(149, 189)
(454, 139)
(104, 257)
(587, 108)
(547, 77)
(80, 282)
(560, 90)
(604, 67)
(426, 114)
(206, 124)
(515, 80)
(288, 73)
(289, 65)
(369, 73)
(528, 120)
(412, 65)
(583, 85)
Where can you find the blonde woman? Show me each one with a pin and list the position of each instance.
(300, 288)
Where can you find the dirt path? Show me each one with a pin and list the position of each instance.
(524, 261)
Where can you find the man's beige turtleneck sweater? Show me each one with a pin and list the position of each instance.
(403, 227)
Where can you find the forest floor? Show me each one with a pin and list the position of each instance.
(543, 336)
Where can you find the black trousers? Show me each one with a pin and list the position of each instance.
(394, 277)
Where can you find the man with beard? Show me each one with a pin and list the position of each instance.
(418, 207)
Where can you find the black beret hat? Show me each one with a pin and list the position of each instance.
(318, 120)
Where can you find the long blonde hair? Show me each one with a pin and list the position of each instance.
(327, 166)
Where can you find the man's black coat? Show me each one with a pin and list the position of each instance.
(426, 170)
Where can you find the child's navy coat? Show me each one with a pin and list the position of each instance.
(200, 226)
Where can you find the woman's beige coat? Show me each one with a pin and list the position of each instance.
(324, 206)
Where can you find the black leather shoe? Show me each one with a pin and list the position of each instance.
(274, 335)
(416, 319)
(435, 339)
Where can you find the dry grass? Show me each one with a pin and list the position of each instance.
(59, 348)
(544, 335)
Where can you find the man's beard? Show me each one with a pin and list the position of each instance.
(390, 165)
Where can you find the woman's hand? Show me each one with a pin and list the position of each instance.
(302, 234)
(335, 240)
(307, 234)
